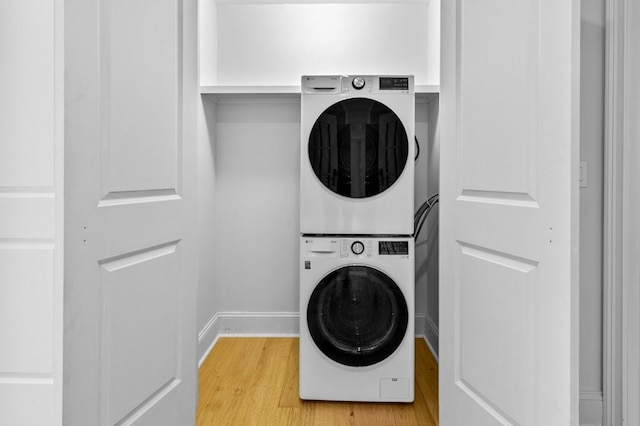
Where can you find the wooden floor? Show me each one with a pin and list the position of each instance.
(254, 381)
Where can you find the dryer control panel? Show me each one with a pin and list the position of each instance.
(394, 83)
(357, 84)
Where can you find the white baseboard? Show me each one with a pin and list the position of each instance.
(270, 324)
(420, 322)
(245, 324)
(259, 323)
(207, 338)
(590, 408)
(426, 329)
(431, 336)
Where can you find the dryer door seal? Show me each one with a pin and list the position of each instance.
(358, 148)
(357, 316)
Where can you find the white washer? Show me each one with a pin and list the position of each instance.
(357, 319)
(357, 155)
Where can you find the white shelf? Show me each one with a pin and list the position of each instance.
(285, 94)
(249, 90)
(251, 94)
(422, 90)
(427, 89)
(271, 2)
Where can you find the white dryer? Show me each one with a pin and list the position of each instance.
(357, 155)
(357, 319)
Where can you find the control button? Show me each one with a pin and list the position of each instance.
(358, 83)
(357, 248)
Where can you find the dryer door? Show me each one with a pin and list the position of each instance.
(357, 316)
(358, 148)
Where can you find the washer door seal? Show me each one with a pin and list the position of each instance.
(357, 316)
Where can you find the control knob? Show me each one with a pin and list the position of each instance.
(357, 248)
(358, 83)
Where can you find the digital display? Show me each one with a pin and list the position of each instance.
(394, 83)
(393, 247)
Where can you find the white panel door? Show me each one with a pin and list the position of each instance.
(130, 261)
(630, 146)
(509, 213)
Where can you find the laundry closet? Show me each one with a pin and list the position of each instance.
(252, 56)
(509, 114)
(100, 195)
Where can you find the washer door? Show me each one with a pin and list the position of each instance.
(358, 148)
(357, 316)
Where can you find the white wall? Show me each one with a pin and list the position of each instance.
(248, 204)
(427, 184)
(591, 209)
(207, 305)
(30, 213)
(207, 289)
(248, 215)
(257, 203)
(276, 43)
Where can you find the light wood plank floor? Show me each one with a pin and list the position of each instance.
(254, 381)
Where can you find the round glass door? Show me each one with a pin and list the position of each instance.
(357, 316)
(358, 148)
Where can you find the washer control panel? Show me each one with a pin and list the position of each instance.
(366, 248)
(357, 247)
(391, 248)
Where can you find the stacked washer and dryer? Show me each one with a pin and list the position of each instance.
(356, 249)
